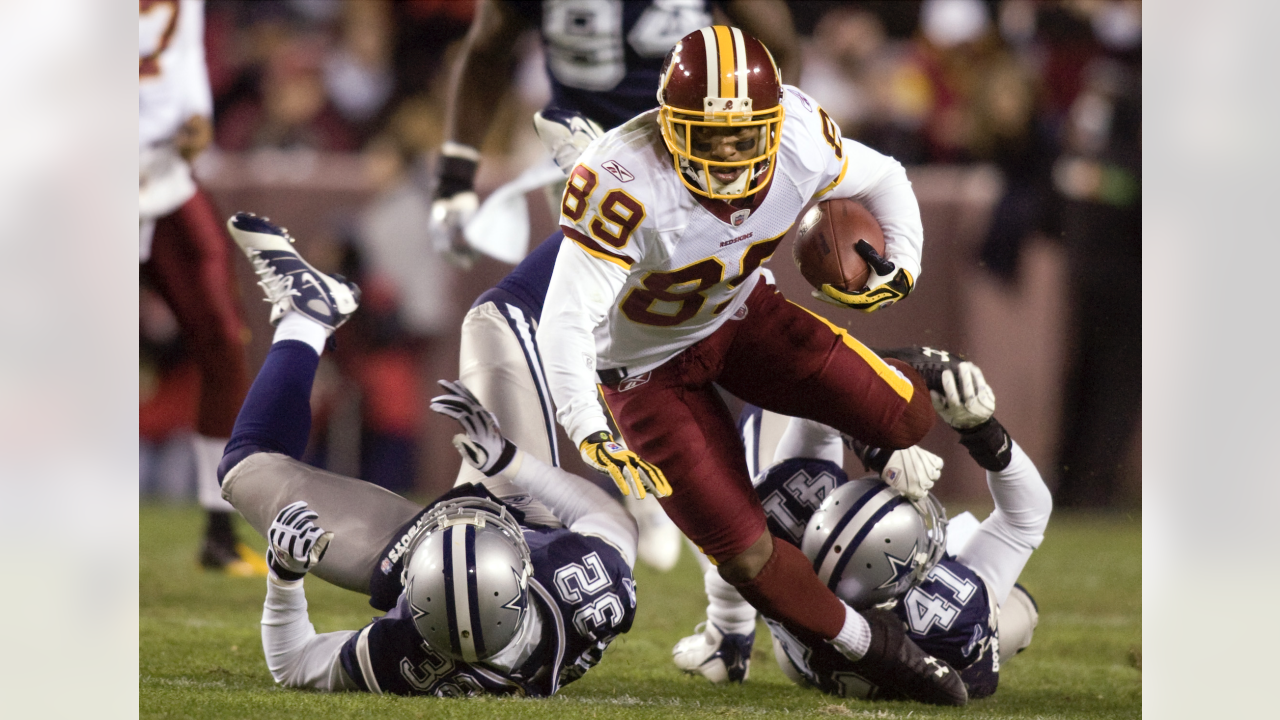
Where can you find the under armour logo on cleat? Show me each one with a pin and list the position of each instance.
(939, 669)
(927, 351)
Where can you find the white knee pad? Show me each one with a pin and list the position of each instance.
(1018, 620)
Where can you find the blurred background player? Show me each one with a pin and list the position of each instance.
(481, 597)
(964, 608)
(183, 251)
(603, 61)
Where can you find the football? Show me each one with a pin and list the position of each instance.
(824, 248)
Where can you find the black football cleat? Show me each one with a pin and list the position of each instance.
(929, 362)
(901, 668)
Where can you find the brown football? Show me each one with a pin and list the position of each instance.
(824, 246)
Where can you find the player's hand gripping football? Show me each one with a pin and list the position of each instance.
(295, 542)
(966, 402)
(483, 445)
(626, 468)
(886, 285)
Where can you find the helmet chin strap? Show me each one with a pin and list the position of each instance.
(739, 185)
(523, 644)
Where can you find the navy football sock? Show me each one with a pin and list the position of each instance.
(276, 415)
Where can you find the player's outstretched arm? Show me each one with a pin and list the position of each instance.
(581, 290)
(581, 506)
(295, 654)
(479, 79)
(1003, 543)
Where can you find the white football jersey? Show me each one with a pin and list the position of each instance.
(649, 269)
(173, 80)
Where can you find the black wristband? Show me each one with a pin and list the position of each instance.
(281, 572)
(989, 445)
(504, 459)
(873, 458)
(456, 175)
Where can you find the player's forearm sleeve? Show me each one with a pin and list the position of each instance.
(580, 505)
(1005, 540)
(198, 96)
(809, 439)
(880, 183)
(296, 655)
(581, 291)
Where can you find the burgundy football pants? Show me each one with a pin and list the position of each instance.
(190, 266)
(783, 358)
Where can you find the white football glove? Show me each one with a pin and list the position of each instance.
(295, 543)
(565, 135)
(912, 471)
(970, 405)
(483, 445)
(449, 216)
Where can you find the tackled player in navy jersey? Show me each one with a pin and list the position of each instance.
(603, 59)
(520, 594)
(883, 541)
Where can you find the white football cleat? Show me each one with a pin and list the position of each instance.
(290, 282)
(660, 540)
(719, 657)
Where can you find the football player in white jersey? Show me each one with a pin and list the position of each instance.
(604, 63)
(184, 251)
(659, 291)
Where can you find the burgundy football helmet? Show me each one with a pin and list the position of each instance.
(721, 77)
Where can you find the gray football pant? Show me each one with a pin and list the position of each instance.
(497, 345)
(362, 516)
(498, 361)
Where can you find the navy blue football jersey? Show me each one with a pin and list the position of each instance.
(950, 615)
(584, 594)
(791, 492)
(604, 57)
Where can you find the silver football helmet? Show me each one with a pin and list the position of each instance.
(467, 578)
(870, 544)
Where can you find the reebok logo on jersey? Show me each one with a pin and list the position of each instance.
(615, 169)
(633, 382)
(740, 238)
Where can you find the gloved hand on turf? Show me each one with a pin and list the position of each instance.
(966, 406)
(454, 204)
(886, 285)
(294, 542)
(601, 452)
(483, 446)
(912, 471)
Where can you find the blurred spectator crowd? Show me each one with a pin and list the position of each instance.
(1048, 92)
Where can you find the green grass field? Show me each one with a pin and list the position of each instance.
(201, 657)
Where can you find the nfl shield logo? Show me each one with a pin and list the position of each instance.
(739, 217)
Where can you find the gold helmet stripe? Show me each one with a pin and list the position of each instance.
(713, 62)
(744, 72)
(724, 43)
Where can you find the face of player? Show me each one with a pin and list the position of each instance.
(725, 144)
